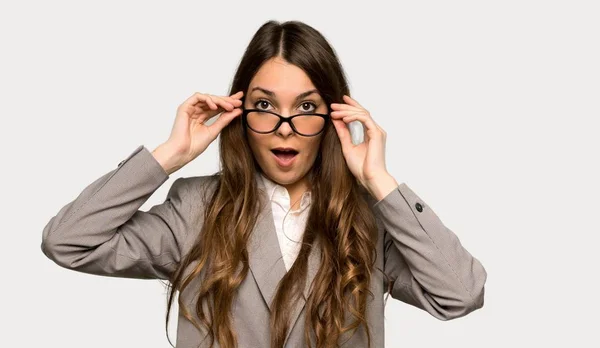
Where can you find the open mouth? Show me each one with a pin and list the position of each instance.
(285, 155)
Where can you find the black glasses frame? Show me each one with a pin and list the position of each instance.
(284, 119)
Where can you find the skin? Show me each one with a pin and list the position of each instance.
(191, 135)
(286, 81)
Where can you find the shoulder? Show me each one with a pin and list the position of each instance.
(193, 188)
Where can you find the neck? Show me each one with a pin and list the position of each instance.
(296, 190)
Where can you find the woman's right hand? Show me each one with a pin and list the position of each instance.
(190, 136)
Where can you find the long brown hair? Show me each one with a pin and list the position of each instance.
(340, 219)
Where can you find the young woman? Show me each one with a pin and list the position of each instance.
(297, 238)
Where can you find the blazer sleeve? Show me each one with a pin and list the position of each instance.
(429, 267)
(102, 231)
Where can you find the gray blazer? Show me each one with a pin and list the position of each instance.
(102, 232)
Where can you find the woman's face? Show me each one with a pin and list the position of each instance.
(281, 87)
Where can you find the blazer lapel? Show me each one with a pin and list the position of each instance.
(314, 262)
(264, 253)
(266, 260)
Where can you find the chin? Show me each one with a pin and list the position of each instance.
(283, 178)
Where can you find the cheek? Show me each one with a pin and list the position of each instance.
(312, 149)
(258, 145)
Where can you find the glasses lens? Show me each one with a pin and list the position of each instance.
(308, 124)
(262, 121)
(265, 122)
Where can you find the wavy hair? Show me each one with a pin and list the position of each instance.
(340, 219)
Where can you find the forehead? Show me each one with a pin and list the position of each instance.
(281, 77)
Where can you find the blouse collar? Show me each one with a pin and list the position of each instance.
(280, 194)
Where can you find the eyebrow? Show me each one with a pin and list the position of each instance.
(272, 94)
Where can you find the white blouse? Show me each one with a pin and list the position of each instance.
(291, 229)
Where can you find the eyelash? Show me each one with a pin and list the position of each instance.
(304, 102)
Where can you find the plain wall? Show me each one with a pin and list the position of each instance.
(491, 110)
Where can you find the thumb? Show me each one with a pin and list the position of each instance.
(224, 119)
(343, 133)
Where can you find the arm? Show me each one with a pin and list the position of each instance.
(429, 267)
(102, 231)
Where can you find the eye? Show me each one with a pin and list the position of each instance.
(259, 103)
(308, 103)
(263, 104)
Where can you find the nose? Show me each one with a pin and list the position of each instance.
(285, 129)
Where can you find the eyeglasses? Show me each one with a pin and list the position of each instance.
(266, 121)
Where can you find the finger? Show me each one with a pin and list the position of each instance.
(351, 101)
(232, 101)
(210, 102)
(200, 98)
(236, 102)
(372, 129)
(223, 120)
(235, 99)
(230, 98)
(338, 106)
(196, 111)
(237, 95)
(195, 99)
(343, 113)
(222, 102)
(343, 133)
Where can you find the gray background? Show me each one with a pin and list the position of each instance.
(491, 110)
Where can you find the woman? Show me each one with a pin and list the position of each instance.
(298, 236)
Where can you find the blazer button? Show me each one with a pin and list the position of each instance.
(419, 207)
(118, 165)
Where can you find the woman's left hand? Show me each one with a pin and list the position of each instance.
(366, 160)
